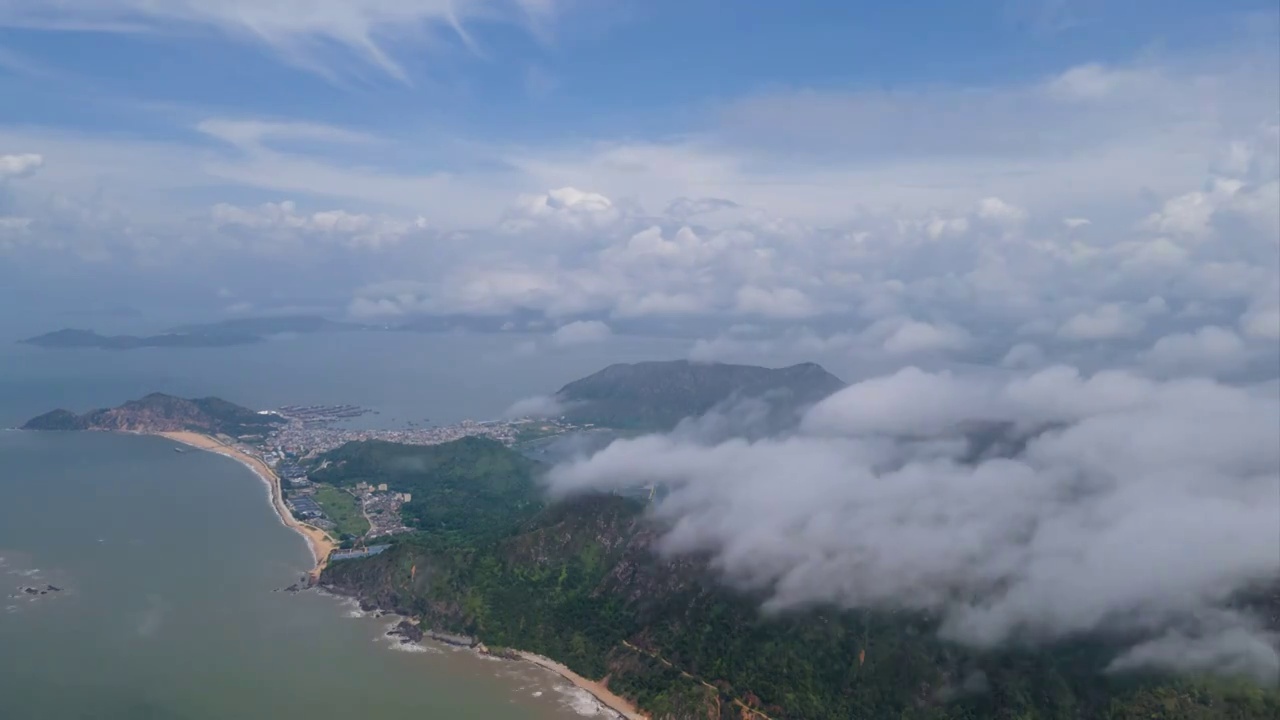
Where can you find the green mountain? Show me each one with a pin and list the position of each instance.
(580, 582)
(158, 412)
(658, 395)
(464, 490)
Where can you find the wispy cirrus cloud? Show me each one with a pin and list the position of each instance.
(301, 32)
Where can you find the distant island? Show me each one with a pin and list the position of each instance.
(454, 532)
(237, 331)
(248, 330)
(71, 338)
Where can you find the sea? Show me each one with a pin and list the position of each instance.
(171, 569)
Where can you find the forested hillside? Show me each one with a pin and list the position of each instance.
(579, 582)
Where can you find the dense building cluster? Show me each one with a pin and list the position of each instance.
(302, 439)
(311, 430)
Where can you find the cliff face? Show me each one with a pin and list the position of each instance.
(158, 412)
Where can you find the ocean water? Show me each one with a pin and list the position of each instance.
(170, 568)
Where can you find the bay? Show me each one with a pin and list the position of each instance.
(170, 568)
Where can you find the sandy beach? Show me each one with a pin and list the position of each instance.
(608, 698)
(319, 541)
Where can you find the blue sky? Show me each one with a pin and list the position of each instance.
(934, 177)
(595, 68)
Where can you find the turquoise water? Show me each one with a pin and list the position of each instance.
(170, 566)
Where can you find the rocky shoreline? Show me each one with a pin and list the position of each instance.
(32, 591)
(411, 632)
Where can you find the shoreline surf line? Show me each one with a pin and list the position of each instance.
(318, 541)
(603, 695)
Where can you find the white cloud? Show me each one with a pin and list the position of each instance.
(783, 302)
(1105, 322)
(14, 231)
(1093, 82)
(581, 332)
(1208, 349)
(281, 222)
(1262, 319)
(912, 337)
(1023, 355)
(538, 406)
(1145, 506)
(1231, 647)
(995, 210)
(750, 344)
(394, 299)
(567, 207)
(13, 166)
(1190, 214)
(366, 29)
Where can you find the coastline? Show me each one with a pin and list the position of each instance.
(318, 541)
(620, 707)
(618, 704)
(321, 545)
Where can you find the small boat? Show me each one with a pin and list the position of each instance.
(179, 450)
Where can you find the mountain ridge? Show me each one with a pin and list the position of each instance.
(658, 394)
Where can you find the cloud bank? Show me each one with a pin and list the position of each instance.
(537, 407)
(1026, 508)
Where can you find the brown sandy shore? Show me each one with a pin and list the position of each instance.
(318, 540)
(321, 545)
(609, 699)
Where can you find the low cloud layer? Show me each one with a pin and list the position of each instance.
(538, 406)
(581, 332)
(1027, 508)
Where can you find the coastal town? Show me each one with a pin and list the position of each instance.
(318, 429)
(354, 517)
